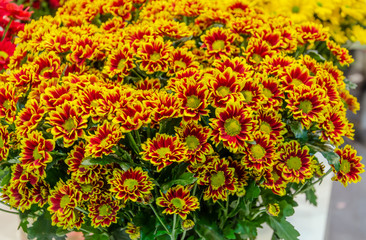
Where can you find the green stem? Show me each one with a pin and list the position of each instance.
(3, 210)
(194, 189)
(133, 144)
(136, 73)
(257, 214)
(157, 216)
(231, 214)
(6, 29)
(172, 236)
(301, 190)
(137, 134)
(149, 130)
(184, 235)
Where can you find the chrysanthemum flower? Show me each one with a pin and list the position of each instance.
(68, 123)
(104, 138)
(149, 84)
(218, 42)
(4, 143)
(36, 153)
(22, 77)
(350, 166)
(260, 155)
(164, 150)
(269, 122)
(212, 16)
(272, 91)
(240, 173)
(232, 126)
(307, 105)
(6, 50)
(47, 66)
(181, 60)
(172, 29)
(103, 211)
(29, 117)
(342, 54)
(63, 202)
(220, 179)
(350, 101)
(273, 209)
(310, 32)
(75, 157)
(57, 95)
(238, 65)
(245, 26)
(257, 50)
(334, 126)
(41, 192)
(294, 163)
(133, 231)
(295, 76)
(8, 101)
(132, 184)
(297, 10)
(155, 55)
(276, 64)
(195, 137)
(224, 86)
(120, 61)
(252, 94)
(273, 180)
(132, 116)
(83, 48)
(178, 200)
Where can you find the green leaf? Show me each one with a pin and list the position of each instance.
(333, 159)
(286, 209)
(311, 196)
(42, 229)
(184, 179)
(229, 233)
(101, 236)
(252, 191)
(283, 228)
(298, 130)
(5, 176)
(247, 229)
(315, 55)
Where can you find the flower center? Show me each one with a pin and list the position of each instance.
(294, 163)
(86, 188)
(258, 151)
(36, 154)
(248, 95)
(44, 70)
(218, 45)
(223, 91)
(265, 127)
(257, 58)
(130, 184)
(275, 176)
(180, 64)
(192, 142)
(296, 82)
(121, 64)
(3, 55)
(155, 57)
(69, 124)
(306, 106)
(163, 151)
(232, 127)
(6, 104)
(64, 201)
(218, 179)
(178, 203)
(267, 93)
(345, 166)
(295, 9)
(193, 101)
(105, 210)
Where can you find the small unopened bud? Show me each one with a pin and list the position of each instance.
(273, 209)
(187, 224)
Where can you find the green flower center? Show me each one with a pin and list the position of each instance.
(265, 127)
(218, 45)
(319, 4)
(267, 93)
(155, 57)
(163, 151)
(306, 106)
(121, 64)
(295, 9)
(105, 210)
(69, 124)
(275, 176)
(3, 55)
(258, 152)
(44, 70)
(248, 95)
(296, 82)
(193, 101)
(64, 201)
(223, 91)
(257, 58)
(294, 163)
(6, 104)
(86, 188)
(180, 64)
(192, 142)
(218, 179)
(130, 184)
(36, 154)
(178, 203)
(345, 166)
(232, 127)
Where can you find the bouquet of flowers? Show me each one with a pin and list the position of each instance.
(192, 119)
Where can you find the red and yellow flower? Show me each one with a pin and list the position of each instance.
(310, 32)
(232, 126)
(335, 125)
(29, 117)
(8, 101)
(119, 61)
(133, 231)
(218, 42)
(103, 211)
(342, 54)
(68, 123)
(295, 162)
(219, 179)
(4, 143)
(178, 200)
(103, 140)
(269, 123)
(350, 166)
(36, 153)
(132, 184)
(163, 150)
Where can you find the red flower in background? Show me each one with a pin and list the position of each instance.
(6, 50)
